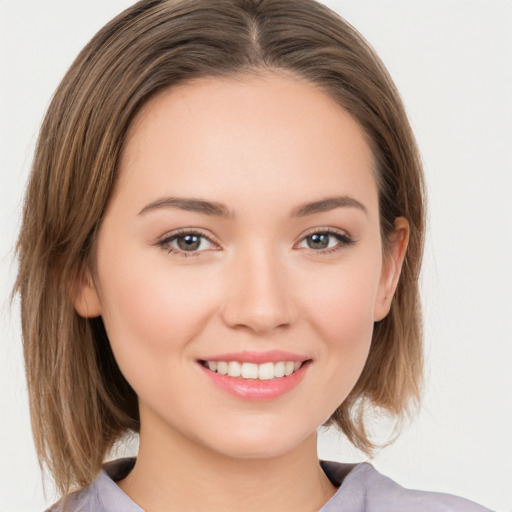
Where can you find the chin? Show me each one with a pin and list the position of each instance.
(260, 445)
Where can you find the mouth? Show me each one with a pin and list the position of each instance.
(254, 371)
(256, 376)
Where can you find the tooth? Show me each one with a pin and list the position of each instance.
(222, 367)
(279, 369)
(234, 369)
(266, 371)
(289, 366)
(249, 371)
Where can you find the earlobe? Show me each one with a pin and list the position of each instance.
(85, 295)
(392, 268)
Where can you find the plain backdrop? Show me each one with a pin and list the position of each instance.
(452, 62)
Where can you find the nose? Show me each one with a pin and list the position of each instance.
(259, 296)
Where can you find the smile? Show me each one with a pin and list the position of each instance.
(244, 370)
(256, 379)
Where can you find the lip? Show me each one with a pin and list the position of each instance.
(248, 356)
(255, 389)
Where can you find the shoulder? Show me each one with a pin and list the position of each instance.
(102, 495)
(364, 489)
(84, 500)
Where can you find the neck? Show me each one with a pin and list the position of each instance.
(173, 472)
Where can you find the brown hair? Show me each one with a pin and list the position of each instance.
(80, 402)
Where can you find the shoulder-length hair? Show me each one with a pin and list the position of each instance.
(80, 402)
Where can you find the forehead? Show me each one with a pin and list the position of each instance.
(252, 131)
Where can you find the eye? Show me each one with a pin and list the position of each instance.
(187, 243)
(326, 241)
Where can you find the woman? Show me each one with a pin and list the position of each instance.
(220, 249)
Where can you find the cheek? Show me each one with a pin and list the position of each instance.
(341, 313)
(151, 311)
(343, 308)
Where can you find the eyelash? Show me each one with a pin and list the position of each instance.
(165, 242)
(343, 239)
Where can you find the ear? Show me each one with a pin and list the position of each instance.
(391, 268)
(85, 295)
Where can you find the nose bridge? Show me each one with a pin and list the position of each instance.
(258, 296)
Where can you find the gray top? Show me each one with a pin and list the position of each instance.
(361, 488)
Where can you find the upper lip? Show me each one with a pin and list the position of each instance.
(247, 356)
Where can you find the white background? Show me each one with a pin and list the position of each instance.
(452, 61)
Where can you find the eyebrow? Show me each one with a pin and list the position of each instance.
(189, 204)
(326, 205)
(213, 208)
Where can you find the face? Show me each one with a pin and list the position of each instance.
(242, 237)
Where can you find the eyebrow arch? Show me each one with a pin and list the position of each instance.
(328, 204)
(189, 204)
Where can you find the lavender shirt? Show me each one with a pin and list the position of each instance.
(361, 488)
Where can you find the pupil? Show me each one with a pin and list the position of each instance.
(318, 241)
(189, 242)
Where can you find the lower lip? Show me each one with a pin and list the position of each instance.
(255, 389)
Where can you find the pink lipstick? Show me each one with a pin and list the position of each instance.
(256, 375)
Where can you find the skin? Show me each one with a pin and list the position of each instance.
(262, 146)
